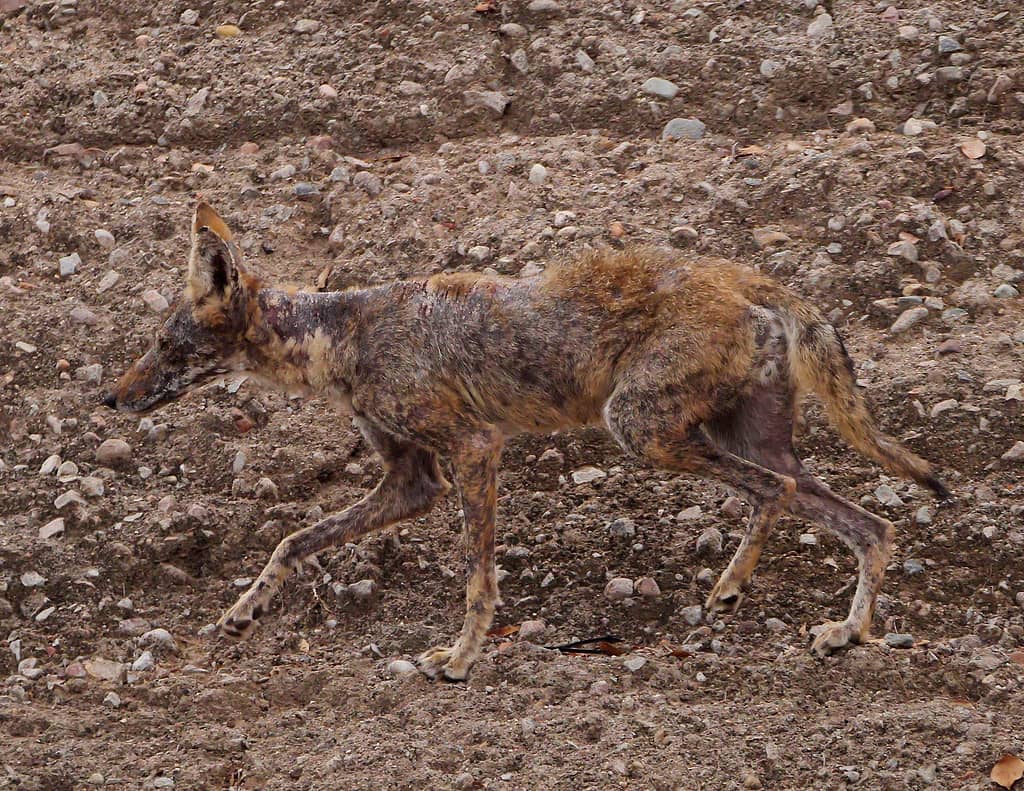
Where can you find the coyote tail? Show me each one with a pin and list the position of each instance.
(821, 364)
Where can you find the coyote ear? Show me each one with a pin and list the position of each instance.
(215, 262)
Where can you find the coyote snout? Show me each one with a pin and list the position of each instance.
(692, 366)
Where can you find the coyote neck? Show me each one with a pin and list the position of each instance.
(301, 340)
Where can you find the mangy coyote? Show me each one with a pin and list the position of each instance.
(693, 366)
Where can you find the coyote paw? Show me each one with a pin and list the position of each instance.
(443, 663)
(239, 621)
(833, 635)
(726, 596)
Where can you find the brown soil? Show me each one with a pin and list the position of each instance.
(309, 702)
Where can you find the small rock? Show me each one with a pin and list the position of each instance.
(692, 615)
(112, 700)
(732, 507)
(68, 264)
(775, 625)
(362, 590)
(663, 89)
(50, 466)
(304, 189)
(546, 7)
(689, 514)
(512, 30)
(1005, 291)
(368, 183)
(622, 528)
(189, 16)
(618, 589)
(265, 489)
(912, 567)
(227, 31)
(68, 498)
(683, 129)
(105, 238)
(768, 237)
(1015, 453)
(160, 638)
(897, 640)
(532, 631)
(647, 587)
(283, 173)
(104, 669)
(33, 579)
(495, 101)
(751, 780)
(923, 515)
(154, 300)
(306, 26)
(479, 253)
(82, 315)
(886, 495)
(821, 26)
(401, 667)
(769, 68)
(108, 281)
(944, 406)
(538, 174)
(709, 543)
(51, 529)
(808, 540)
(588, 474)
(113, 453)
(327, 91)
(948, 44)
(143, 662)
(634, 663)
(908, 319)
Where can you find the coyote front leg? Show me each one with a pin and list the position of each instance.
(476, 473)
(411, 485)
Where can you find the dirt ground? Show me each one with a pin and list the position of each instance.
(867, 154)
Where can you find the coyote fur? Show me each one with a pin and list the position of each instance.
(692, 366)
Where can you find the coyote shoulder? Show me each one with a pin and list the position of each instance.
(693, 366)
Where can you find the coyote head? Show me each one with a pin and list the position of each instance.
(204, 334)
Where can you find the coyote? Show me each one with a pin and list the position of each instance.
(692, 366)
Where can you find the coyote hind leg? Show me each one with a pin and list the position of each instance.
(411, 485)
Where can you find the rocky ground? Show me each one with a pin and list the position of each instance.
(868, 154)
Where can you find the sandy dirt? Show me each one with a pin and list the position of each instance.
(867, 154)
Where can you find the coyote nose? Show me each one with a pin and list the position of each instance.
(110, 400)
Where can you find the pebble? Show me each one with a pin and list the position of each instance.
(634, 663)
(520, 61)
(775, 625)
(362, 590)
(113, 453)
(923, 515)
(143, 662)
(949, 346)
(1005, 291)
(227, 31)
(104, 669)
(154, 300)
(283, 173)
(948, 44)
(944, 406)
(689, 514)
(51, 529)
(112, 699)
(898, 640)
(584, 61)
(327, 91)
(886, 495)
(751, 780)
(532, 631)
(33, 579)
(306, 26)
(479, 253)
(683, 129)
(304, 189)
(588, 474)
(50, 465)
(692, 615)
(401, 667)
(908, 319)
(622, 528)
(495, 101)
(618, 588)
(512, 30)
(913, 567)
(808, 539)
(108, 281)
(769, 68)
(821, 26)
(538, 174)
(91, 486)
(709, 543)
(265, 489)
(68, 498)
(189, 16)
(159, 637)
(1015, 453)
(548, 7)
(663, 89)
(648, 588)
(368, 183)
(768, 237)
(82, 315)
(68, 470)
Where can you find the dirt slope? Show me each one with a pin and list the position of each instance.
(867, 154)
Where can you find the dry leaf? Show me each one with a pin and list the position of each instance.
(1007, 771)
(503, 631)
(973, 148)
